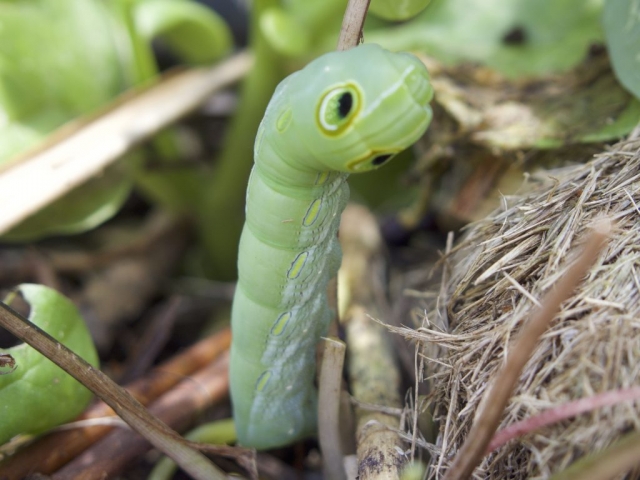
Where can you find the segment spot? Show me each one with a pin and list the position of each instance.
(284, 119)
(380, 160)
(312, 212)
(296, 265)
(263, 379)
(280, 324)
(322, 178)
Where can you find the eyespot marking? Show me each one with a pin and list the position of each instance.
(345, 102)
(280, 324)
(338, 107)
(312, 212)
(263, 379)
(284, 120)
(381, 159)
(322, 178)
(370, 161)
(297, 265)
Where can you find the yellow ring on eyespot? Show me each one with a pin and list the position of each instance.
(327, 114)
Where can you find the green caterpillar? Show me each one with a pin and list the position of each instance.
(346, 112)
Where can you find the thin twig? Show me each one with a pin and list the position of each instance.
(374, 374)
(179, 407)
(45, 457)
(496, 398)
(125, 405)
(329, 408)
(562, 412)
(352, 23)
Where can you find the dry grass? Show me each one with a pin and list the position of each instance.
(503, 266)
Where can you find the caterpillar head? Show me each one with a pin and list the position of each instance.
(354, 110)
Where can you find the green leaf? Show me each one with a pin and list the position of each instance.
(284, 32)
(63, 59)
(195, 33)
(621, 21)
(83, 208)
(515, 37)
(60, 60)
(38, 394)
(220, 432)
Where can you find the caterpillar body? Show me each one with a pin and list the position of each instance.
(345, 112)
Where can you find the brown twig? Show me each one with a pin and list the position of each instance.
(562, 412)
(177, 408)
(152, 340)
(46, 456)
(352, 23)
(121, 290)
(155, 228)
(373, 368)
(329, 408)
(495, 400)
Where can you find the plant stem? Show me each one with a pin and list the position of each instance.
(221, 216)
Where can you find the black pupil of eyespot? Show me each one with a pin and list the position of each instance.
(345, 102)
(380, 159)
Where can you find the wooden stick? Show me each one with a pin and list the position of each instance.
(329, 408)
(352, 23)
(127, 407)
(374, 375)
(45, 455)
(178, 408)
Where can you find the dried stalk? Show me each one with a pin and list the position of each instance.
(352, 23)
(126, 406)
(178, 408)
(495, 400)
(45, 456)
(329, 408)
(80, 151)
(373, 369)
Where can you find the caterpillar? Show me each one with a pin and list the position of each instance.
(345, 112)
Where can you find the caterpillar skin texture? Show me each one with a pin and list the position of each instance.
(345, 112)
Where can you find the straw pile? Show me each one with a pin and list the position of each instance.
(503, 265)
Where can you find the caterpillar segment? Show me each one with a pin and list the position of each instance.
(346, 112)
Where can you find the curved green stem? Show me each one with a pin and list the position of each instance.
(221, 215)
